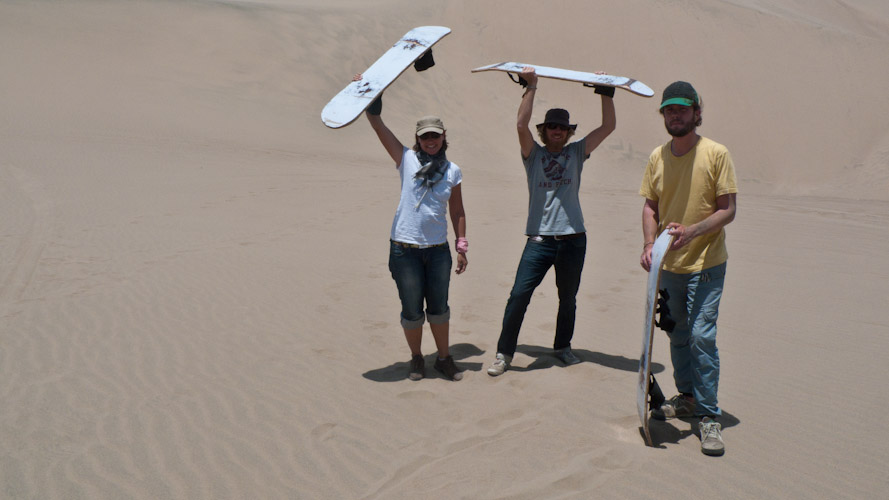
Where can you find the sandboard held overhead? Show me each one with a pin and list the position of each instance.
(348, 105)
(644, 386)
(621, 82)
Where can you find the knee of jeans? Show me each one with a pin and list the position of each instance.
(437, 319)
(520, 296)
(410, 324)
(710, 313)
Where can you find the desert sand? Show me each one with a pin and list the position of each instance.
(194, 294)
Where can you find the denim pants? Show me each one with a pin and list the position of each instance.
(567, 256)
(694, 305)
(421, 274)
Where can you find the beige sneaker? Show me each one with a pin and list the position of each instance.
(711, 437)
(501, 364)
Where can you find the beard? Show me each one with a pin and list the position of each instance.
(681, 129)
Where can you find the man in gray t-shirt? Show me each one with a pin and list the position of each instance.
(555, 230)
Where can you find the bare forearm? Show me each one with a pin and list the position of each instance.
(459, 222)
(712, 224)
(726, 207)
(650, 222)
(525, 108)
(609, 116)
(391, 143)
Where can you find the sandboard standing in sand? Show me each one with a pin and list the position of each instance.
(644, 393)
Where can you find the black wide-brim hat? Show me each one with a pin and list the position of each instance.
(557, 116)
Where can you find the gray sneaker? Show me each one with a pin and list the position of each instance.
(676, 407)
(500, 365)
(711, 437)
(566, 355)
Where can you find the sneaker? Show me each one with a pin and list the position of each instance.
(676, 407)
(418, 367)
(711, 437)
(567, 356)
(501, 364)
(448, 368)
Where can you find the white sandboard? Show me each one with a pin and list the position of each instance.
(621, 82)
(348, 105)
(661, 245)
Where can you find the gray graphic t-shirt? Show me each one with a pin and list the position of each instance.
(553, 187)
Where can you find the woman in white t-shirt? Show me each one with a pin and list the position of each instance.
(419, 255)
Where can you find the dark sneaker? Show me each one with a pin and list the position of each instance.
(711, 437)
(448, 368)
(676, 407)
(567, 356)
(418, 367)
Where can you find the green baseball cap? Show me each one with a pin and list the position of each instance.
(681, 93)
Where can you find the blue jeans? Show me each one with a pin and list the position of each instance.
(694, 305)
(421, 274)
(567, 256)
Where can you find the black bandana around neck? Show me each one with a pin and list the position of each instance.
(433, 167)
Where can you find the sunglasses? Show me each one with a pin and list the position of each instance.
(553, 126)
(430, 135)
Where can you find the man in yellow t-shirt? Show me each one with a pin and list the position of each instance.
(690, 190)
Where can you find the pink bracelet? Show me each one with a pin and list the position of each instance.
(462, 245)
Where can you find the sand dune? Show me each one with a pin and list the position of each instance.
(194, 295)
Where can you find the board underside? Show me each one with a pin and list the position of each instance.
(628, 84)
(348, 105)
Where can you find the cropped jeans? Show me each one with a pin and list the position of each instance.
(421, 274)
(567, 257)
(694, 306)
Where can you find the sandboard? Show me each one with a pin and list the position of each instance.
(348, 105)
(621, 82)
(643, 400)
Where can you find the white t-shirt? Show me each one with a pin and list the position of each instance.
(421, 217)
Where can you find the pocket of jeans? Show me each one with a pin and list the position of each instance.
(713, 274)
(395, 249)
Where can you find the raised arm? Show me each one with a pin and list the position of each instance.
(526, 138)
(609, 122)
(387, 138)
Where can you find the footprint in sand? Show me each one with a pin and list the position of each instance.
(417, 395)
(323, 432)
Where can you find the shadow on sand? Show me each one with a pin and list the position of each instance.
(397, 372)
(665, 431)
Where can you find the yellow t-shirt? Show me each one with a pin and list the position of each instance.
(685, 189)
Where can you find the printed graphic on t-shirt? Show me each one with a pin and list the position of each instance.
(554, 170)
